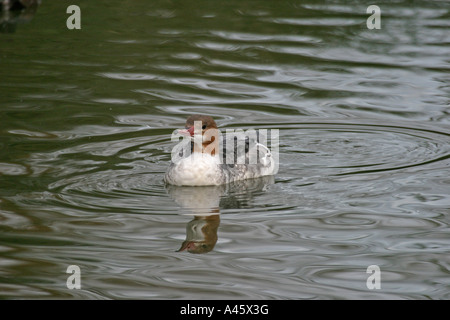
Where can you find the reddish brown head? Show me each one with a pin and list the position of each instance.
(206, 124)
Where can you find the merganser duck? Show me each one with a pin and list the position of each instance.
(205, 158)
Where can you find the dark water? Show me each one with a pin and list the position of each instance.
(86, 118)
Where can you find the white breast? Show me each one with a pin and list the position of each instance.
(199, 169)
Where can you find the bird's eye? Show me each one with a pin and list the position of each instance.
(204, 127)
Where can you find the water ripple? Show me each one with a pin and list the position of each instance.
(364, 152)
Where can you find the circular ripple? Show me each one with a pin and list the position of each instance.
(320, 149)
(349, 148)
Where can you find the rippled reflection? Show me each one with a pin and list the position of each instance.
(201, 234)
(205, 203)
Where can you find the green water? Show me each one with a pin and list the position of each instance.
(86, 118)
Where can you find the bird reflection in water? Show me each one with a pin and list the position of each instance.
(201, 234)
(204, 203)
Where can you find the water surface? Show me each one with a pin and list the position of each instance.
(87, 116)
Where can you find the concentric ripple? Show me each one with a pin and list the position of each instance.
(349, 148)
